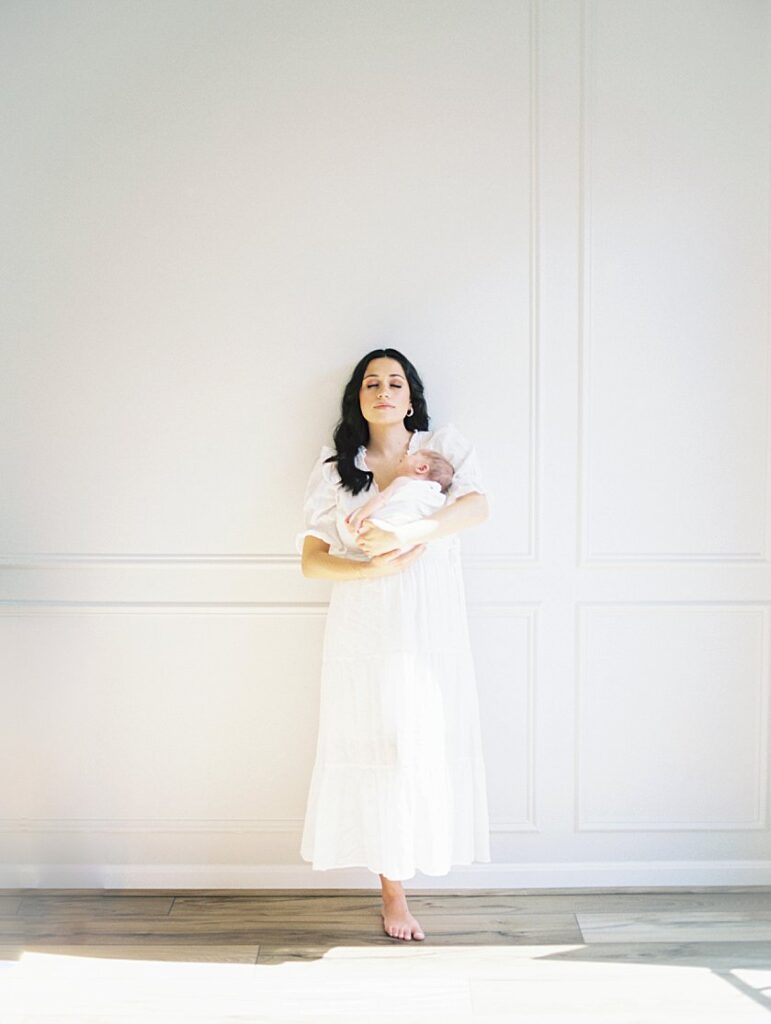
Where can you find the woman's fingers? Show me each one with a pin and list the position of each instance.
(410, 556)
(417, 550)
(387, 557)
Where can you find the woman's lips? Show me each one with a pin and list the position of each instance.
(383, 406)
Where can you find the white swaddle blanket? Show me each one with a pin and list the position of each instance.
(413, 500)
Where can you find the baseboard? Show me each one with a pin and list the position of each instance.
(554, 877)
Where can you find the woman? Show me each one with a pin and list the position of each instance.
(398, 783)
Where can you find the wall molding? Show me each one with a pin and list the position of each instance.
(586, 556)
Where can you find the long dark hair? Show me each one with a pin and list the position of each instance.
(352, 429)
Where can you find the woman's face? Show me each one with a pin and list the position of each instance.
(384, 394)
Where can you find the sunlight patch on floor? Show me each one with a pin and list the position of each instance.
(420, 983)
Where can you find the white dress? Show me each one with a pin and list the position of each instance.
(398, 784)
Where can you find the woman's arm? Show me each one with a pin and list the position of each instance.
(469, 510)
(376, 502)
(317, 563)
(355, 518)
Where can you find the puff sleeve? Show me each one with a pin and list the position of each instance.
(463, 456)
(320, 501)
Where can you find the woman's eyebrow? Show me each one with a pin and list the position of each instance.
(377, 375)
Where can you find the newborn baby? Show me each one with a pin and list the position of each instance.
(418, 489)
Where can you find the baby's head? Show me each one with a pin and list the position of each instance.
(426, 464)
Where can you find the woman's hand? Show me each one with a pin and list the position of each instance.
(373, 541)
(386, 564)
(354, 519)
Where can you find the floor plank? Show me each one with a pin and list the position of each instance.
(676, 925)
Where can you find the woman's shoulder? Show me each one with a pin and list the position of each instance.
(329, 470)
(445, 434)
(325, 453)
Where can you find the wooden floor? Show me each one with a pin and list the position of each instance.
(641, 955)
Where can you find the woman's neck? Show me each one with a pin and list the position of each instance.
(388, 442)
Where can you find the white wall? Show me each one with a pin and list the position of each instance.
(560, 212)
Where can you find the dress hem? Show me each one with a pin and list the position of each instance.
(379, 871)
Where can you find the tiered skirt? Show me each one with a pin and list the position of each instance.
(398, 783)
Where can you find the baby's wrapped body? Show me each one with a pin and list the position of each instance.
(412, 499)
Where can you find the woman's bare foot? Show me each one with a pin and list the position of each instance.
(397, 919)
